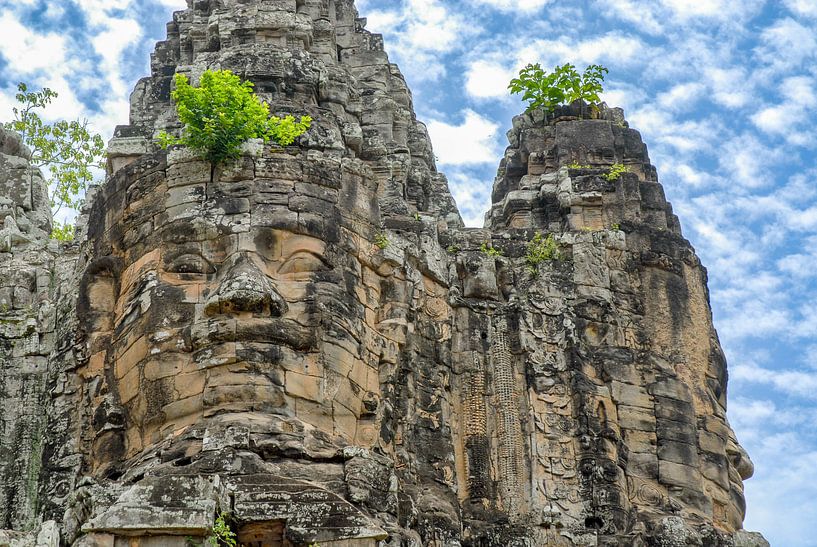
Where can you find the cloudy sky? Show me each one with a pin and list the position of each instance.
(723, 92)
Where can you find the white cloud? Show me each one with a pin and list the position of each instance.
(713, 9)
(97, 11)
(485, 79)
(471, 195)
(29, 52)
(786, 44)
(611, 48)
(787, 118)
(749, 161)
(472, 142)
(807, 8)
(776, 119)
(111, 43)
(800, 265)
(663, 127)
(623, 94)
(419, 32)
(681, 96)
(382, 21)
(433, 27)
(745, 413)
(514, 5)
(695, 8)
(730, 86)
(799, 90)
(642, 14)
(791, 382)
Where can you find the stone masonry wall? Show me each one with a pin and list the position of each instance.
(310, 341)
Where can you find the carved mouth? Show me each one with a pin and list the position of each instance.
(263, 330)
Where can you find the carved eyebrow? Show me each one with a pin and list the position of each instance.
(303, 254)
(172, 252)
(302, 244)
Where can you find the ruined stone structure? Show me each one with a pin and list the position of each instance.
(310, 341)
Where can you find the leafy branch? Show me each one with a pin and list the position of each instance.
(221, 534)
(68, 149)
(222, 113)
(563, 86)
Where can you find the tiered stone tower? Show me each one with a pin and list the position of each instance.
(308, 341)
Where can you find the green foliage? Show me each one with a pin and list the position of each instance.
(221, 535)
(453, 249)
(62, 231)
(223, 113)
(285, 130)
(577, 165)
(417, 217)
(381, 240)
(615, 226)
(490, 250)
(541, 249)
(615, 172)
(563, 86)
(67, 149)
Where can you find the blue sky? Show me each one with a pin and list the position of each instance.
(723, 92)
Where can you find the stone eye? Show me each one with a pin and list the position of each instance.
(189, 263)
(302, 262)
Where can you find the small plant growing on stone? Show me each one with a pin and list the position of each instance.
(417, 217)
(563, 86)
(381, 240)
(67, 148)
(615, 172)
(223, 113)
(453, 249)
(615, 227)
(577, 165)
(541, 249)
(63, 231)
(221, 535)
(490, 250)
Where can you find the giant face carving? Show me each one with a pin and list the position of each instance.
(243, 299)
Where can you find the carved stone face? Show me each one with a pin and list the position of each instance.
(243, 305)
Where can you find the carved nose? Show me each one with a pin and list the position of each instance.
(245, 288)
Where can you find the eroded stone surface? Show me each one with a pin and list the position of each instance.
(310, 340)
(30, 285)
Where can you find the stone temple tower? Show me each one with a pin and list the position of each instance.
(309, 343)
